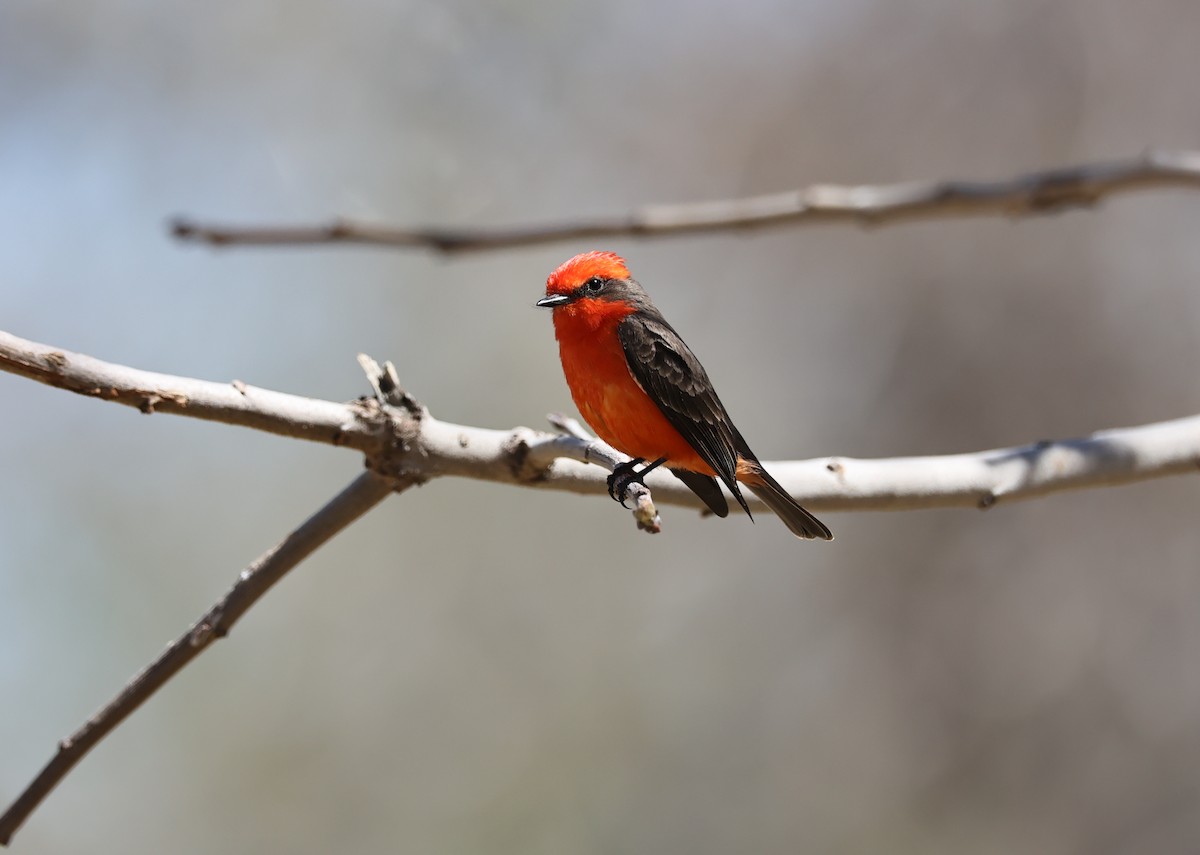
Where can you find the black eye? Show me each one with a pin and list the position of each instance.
(595, 285)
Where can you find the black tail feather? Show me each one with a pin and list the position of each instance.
(799, 521)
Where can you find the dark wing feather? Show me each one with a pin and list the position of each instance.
(707, 488)
(667, 370)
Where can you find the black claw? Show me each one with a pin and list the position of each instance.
(619, 473)
(623, 477)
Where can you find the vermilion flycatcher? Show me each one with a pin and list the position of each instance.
(646, 394)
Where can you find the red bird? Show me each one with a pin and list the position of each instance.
(646, 394)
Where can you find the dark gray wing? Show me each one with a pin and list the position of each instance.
(667, 370)
(707, 488)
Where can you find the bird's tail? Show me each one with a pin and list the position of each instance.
(801, 522)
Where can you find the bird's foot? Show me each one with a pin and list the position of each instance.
(624, 476)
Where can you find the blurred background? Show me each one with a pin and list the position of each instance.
(474, 668)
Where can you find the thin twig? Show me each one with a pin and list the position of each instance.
(645, 514)
(360, 496)
(1043, 192)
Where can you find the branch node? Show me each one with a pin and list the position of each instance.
(386, 383)
(181, 228)
(403, 414)
(516, 451)
(569, 426)
(202, 632)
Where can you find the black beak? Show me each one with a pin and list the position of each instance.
(553, 300)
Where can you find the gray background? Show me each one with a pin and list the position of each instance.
(475, 668)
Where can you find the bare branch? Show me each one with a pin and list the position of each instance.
(645, 514)
(233, 403)
(410, 443)
(1044, 192)
(984, 478)
(359, 497)
(979, 479)
(405, 445)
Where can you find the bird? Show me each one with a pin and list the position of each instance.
(643, 391)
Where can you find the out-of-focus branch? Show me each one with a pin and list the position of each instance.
(1044, 192)
(359, 497)
(409, 443)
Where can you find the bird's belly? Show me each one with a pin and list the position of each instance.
(622, 414)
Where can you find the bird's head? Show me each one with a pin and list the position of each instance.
(593, 284)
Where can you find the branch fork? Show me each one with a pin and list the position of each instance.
(404, 445)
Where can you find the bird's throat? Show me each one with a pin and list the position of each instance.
(588, 317)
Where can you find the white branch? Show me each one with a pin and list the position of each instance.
(979, 479)
(409, 443)
(983, 478)
(234, 403)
